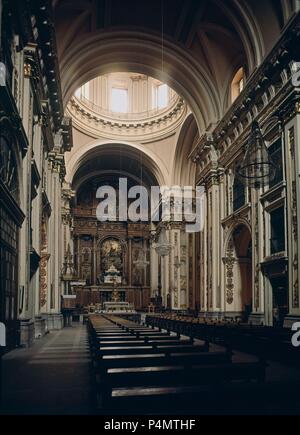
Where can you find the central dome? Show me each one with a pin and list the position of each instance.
(126, 105)
(127, 95)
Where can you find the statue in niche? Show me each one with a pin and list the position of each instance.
(86, 275)
(86, 255)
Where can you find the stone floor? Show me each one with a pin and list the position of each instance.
(51, 377)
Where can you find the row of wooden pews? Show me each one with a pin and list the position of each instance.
(268, 342)
(139, 369)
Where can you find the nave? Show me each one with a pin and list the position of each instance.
(118, 366)
(51, 377)
(150, 168)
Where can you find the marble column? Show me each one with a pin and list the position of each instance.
(153, 271)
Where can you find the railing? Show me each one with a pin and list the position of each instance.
(173, 101)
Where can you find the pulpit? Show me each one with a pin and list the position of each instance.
(68, 306)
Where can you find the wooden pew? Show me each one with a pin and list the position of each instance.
(135, 350)
(139, 342)
(183, 400)
(265, 341)
(131, 337)
(139, 366)
(153, 359)
(175, 375)
(141, 382)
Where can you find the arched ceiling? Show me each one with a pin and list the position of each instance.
(106, 165)
(117, 159)
(183, 172)
(203, 43)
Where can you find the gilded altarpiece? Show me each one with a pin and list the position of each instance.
(105, 252)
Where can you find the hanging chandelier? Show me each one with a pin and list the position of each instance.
(257, 168)
(163, 247)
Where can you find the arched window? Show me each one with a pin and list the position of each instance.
(83, 92)
(160, 96)
(119, 100)
(237, 84)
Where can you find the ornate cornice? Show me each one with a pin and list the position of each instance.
(96, 124)
(269, 91)
(68, 194)
(67, 135)
(56, 163)
(243, 215)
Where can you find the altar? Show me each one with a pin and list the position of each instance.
(117, 308)
(104, 293)
(112, 275)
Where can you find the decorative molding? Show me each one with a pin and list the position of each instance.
(282, 98)
(96, 125)
(43, 276)
(242, 216)
(229, 261)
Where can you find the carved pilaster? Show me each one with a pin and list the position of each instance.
(43, 263)
(229, 261)
(56, 163)
(293, 248)
(256, 253)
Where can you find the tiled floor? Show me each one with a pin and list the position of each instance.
(51, 377)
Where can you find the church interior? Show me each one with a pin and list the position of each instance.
(134, 312)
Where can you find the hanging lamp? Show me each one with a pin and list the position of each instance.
(257, 168)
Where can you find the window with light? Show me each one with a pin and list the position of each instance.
(160, 96)
(119, 100)
(84, 91)
(237, 84)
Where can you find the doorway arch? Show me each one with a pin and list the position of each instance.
(238, 271)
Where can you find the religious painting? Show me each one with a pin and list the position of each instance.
(111, 258)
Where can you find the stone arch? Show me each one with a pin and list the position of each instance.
(136, 52)
(288, 8)
(245, 22)
(196, 73)
(86, 152)
(241, 221)
(184, 170)
(238, 268)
